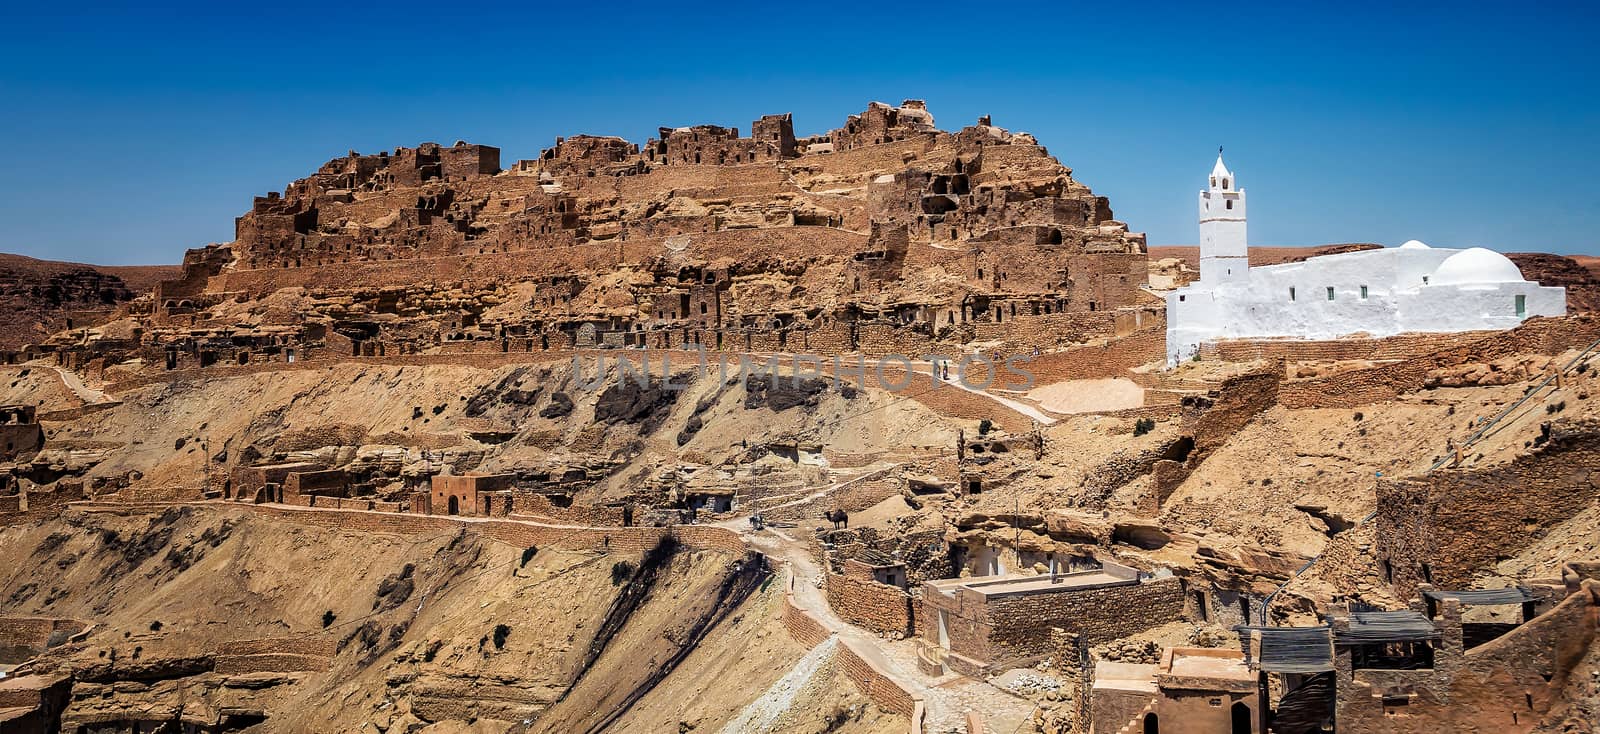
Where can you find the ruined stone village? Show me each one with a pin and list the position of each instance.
(703, 435)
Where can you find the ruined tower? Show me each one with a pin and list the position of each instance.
(1224, 250)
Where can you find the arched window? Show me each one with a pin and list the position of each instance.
(1224, 183)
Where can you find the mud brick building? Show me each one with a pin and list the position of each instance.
(20, 432)
(468, 494)
(1190, 691)
(991, 623)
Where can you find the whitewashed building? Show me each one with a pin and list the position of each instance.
(1371, 293)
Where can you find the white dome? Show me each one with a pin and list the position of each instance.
(1415, 245)
(1476, 265)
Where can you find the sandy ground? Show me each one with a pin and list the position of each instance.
(1084, 396)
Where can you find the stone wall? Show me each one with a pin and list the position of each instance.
(276, 655)
(33, 506)
(873, 682)
(19, 440)
(1537, 335)
(526, 502)
(1402, 346)
(1022, 623)
(878, 607)
(1452, 524)
(1110, 359)
(1511, 684)
(1013, 629)
(24, 637)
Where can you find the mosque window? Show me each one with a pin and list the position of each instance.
(1230, 203)
(1291, 293)
(1330, 292)
(1522, 305)
(1363, 293)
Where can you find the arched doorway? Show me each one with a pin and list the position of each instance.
(455, 506)
(1151, 724)
(1241, 719)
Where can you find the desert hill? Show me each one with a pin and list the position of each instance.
(41, 297)
(866, 431)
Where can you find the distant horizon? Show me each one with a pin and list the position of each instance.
(145, 131)
(179, 261)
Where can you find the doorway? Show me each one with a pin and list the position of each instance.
(454, 506)
(1241, 718)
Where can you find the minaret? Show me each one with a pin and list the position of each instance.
(1224, 250)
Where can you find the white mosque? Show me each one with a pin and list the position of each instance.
(1371, 293)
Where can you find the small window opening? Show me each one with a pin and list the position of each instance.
(1291, 293)
(1363, 293)
(1330, 292)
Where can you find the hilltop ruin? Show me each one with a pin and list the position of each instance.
(445, 441)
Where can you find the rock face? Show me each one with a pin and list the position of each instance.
(39, 297)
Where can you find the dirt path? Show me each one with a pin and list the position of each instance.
(1018, 406)
(825, 491)
(75, 384)
(948, 698)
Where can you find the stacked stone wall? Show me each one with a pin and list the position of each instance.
(865, 603)
(1451, 525)
(1111, 359)
(1403, 346)
(803, 627)
(275, 655)
(34, 634)
(1538, 335)
(1022, 624)
(530, 503)
(1016, 629)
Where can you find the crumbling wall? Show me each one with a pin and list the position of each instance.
(1022, 623)
(1510, 684)
(1452, 524)
(1537, 335)
(1017, 628)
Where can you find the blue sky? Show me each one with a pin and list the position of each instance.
(136, 133)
